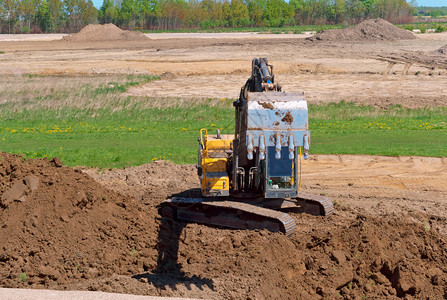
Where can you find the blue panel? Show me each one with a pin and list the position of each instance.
(279, 167)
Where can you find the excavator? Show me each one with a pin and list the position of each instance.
(252, 179)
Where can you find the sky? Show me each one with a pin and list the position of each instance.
(98, 3)
(432, 2)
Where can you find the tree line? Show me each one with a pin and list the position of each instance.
(434, 12)
(36, 16)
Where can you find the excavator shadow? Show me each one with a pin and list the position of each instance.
(168, 272)
(191, 193)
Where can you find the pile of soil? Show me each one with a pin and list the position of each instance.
(106, 32)
(368, 30)
(363, 257)
(149, 183)
(57, 225)
(62, 229)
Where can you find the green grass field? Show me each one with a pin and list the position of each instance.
(423, 26)
(437, 26)
(273, 30)
(86, 121)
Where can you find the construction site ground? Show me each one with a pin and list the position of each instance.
(371, 72)
(98, 230)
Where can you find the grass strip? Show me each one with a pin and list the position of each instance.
(273, 30)
(134, 137)
(88, 121)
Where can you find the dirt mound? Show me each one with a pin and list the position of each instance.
(58, 225)
(61, 229)
(149, 183)
(369, 30)
(106, 32)
(356, 258)
(361, 257)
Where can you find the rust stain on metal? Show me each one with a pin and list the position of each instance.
(266, 105)
(287, 118)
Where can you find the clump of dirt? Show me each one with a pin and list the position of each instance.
(369, 30)
(266, 105)
(57, 225)
(168, 76)
(442, 50)
(106, 32)
(287, 118)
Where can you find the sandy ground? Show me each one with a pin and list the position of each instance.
(31, 37)
(216, 65)
(163, 36)
(381, 185)
(29, 294)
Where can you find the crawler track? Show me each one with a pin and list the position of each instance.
(315, 204)
(242, 215)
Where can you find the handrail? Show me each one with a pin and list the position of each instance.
(202, 139)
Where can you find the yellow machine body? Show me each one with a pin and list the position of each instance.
(213, 158)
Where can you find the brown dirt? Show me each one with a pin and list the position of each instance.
(266, 105)
(368, 30)
(287, 118)
(66, 227)
(106, 32)
(72, 233)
